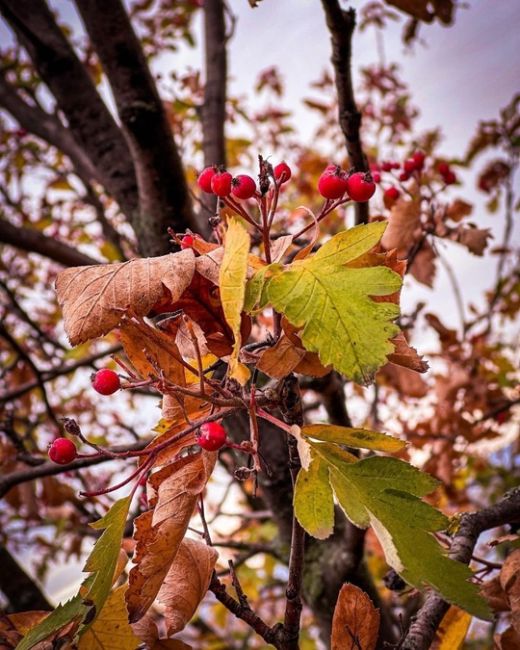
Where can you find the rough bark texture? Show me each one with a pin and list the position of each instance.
(341, 24)
(22, 593)
(88, 118)
(164, 199)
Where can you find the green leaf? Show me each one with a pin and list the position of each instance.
(103, 559)
(95, 589)
(383, 493)
(358, 438)
(313, 503)
(334, 305)
(255, 298)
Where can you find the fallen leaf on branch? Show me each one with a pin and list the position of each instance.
(355, 623)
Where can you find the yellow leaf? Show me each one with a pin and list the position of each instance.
(232, 281)
(111, 630)
(453, 629)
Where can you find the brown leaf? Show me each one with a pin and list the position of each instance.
(404, 226)
(159, 531)
(356, 621)
(96, 298)
(406, 381)
(458, 210)
(510, 582)
(475, 239)
(423, 266)
(148, 349)
(280, 246)
(492, 591)
(508, 640)
(14, 627)
(186, 583)
(281, 359)
(406, 356)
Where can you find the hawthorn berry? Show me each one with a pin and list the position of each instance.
(211, 436)
(187, 241)
(404, 177)
(332, 184)
(443, 168)
(376, 177)
(418, 158)
(391, 194)
(450, 178)
(221, 183)
(409, 166)
(105, 381)
(204, 179)
(387, 166)
(62, 451)
(282, 172)
(243, 187)
(360, 187)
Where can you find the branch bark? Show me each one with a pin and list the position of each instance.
(422, 631)
(341, 24)
(88, 118)
(19, 588)
(33, 241)
(164, 199)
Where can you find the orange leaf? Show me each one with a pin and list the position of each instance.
(356, 621)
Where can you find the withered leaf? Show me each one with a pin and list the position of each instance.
(96, 298)
(475, 239)
(159, 531)
(281, 359)
(423, 266)
(186, 583)
(404, 226)
(406, 356)
(356, 621)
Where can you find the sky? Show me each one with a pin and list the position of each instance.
(458, 76)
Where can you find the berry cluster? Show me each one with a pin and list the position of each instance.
(214, 180)
(335, 183)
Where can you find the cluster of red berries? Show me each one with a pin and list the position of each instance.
(211, 436)
(105, 381)
(448, 176)
(62, 451)
(335, 183)
(212, 180)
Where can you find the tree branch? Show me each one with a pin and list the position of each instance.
(422, 631)
(89, 120)
(33, 241)
(19, 588)
(164, 199)
(341, 25)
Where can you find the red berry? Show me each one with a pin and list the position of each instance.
(282, 169)
(105, 381)
(187, 241)
(450, 178)
(204, 179)
(443, 168)
(404, 177)
(221, 183)
(243, 187)
(332, 184)
(391, 194)
(418, 158)
(386, 166)
(409, 166)
(359, 188)
(376, 177)
(211, 436)
(374, 167)
(62, 451)
(395, 165)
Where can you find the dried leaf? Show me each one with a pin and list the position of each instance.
(280, 246)
(232, 281)
(406, 356)
(96, 298)
(356, 621)
(159, 531)
(186, 583)
(404, 226)
(475, 239)
(496, 597)
(458, 210)
(423, 267)
(281, 359)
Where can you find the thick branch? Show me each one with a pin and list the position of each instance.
(20, 589)
(421, 633)
(164, 199)
(89, 120)
(33, 241)
(341, 26)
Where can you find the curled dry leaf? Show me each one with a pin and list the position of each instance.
(475, 239)
(281, 359)
(356, 621)
(406, 356)
(423, 266)
(160, 531)
(186, 583)
(458, 210)
(404, 226)
(95, 299)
